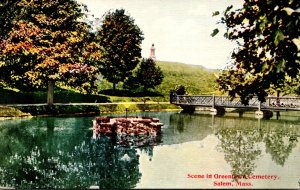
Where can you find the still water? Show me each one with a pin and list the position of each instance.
(194, 151)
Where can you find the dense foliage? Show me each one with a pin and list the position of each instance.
(148, 75)
(45, 42)
(121, 39)
(180, 90)
(267, 57)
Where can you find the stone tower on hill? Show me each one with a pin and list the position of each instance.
(152, 52)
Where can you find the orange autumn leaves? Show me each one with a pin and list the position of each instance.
(52, 52)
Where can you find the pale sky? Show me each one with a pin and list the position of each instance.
(180, 29)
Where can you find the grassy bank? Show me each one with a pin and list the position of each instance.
(10, 112)
(122, 108)
(80, 110)
(60, 110)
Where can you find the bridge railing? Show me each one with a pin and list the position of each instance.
(206, 100)
(283, 102)
(226, 101)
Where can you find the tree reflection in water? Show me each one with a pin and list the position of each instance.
(40, 158)
(241, 139)
(61, 153)
(240, 149)
(280, 143)
(241, 145)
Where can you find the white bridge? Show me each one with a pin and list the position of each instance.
(272, 102)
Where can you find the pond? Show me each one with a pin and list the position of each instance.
(194, 151)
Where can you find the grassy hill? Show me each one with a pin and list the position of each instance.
(196, 79)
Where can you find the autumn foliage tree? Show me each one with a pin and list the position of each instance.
(267, 33)
(121, 40)
(45, 42)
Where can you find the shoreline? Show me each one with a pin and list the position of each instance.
(17, 111)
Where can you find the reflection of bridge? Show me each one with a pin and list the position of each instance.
(272, 102)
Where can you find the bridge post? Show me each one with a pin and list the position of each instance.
(259, 113)
(213, 110)
(213, 103)
(263, 113)
(173, 97)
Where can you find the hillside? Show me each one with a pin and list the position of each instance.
(195, 78)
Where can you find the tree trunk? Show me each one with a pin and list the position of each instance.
(277, 98)
(114, 86)
(50, 94)
(145, 89)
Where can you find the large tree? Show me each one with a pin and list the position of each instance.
(43, 42)
(121, 40)
(267, 57)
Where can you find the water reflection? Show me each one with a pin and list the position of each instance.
(37, 157)
(61, 152)
(240, 150)
(280, 143)
(242, 142)
(187, 127)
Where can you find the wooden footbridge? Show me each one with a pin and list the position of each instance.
(272, 102)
